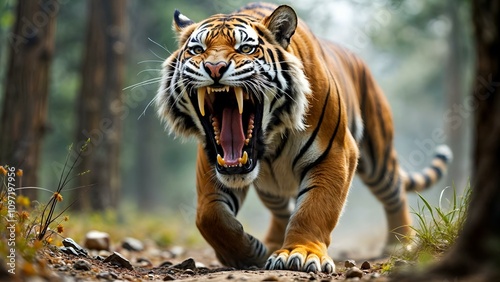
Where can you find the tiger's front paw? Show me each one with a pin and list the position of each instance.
(300, 259)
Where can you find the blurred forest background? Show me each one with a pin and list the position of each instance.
(102, 71)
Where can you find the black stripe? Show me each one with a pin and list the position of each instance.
(383, 167)
(411, 185)
(305, 190)
(388, 185)
(282, 145)
(233, 198)
(428, 180)
(330, 143)
(442, 157)
(439, 172)
(394, 209)
(228, 204)
(371, 152)
(315, 131)
(394, 193)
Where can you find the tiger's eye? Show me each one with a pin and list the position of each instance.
(196, 50)
(247, 49)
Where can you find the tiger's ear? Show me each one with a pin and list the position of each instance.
(181, 21)
(282, 24)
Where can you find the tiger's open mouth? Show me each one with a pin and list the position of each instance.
(231, 118)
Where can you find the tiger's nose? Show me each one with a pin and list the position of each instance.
(215, 70)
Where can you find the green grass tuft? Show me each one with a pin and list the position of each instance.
(436, 228)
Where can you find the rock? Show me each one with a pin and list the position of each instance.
(69, 251)
(107, 275)
(82, 265)
(144, 262)
(353, 272)
(349, 263)
(100, 258)
(70, 243)
(200, 265)
(132, 244)
(97, 240)
(187, 264)
(365, 265)
(176, 251)
(165, 264)
(189, 272)
(271, 278)
(119, 260)
(169, 277)
(230, 276)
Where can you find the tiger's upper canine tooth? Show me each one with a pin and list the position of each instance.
(238, 92)
(220, 160)
(201, 99)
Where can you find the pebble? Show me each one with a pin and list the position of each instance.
(70, 243)
(230, 276)
(97, 240)
(118, 259)
(187, 264)
(169, 277)
(366, 265)
(188, 272)
(165, 264)
(200, 265)
(69, 251)
(271, 278)
(132, 244)
(107, 275)
(144, 262)
(176, 251)
(353, 272)
(82, 265)
(349, 263)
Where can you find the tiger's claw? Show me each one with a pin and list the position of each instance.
(297, 261)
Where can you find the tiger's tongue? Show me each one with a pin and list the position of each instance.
(232, 137)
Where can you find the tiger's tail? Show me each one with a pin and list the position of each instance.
(419, 181)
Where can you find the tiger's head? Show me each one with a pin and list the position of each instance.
(234, 84)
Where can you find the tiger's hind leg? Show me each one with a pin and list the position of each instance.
(216, 219)
(281, 211)
(387, 184)
(380, 171)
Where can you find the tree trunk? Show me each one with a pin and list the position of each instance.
(456, 91)
(476, 255)
(23, 120)
(100, 105)
(145, 154)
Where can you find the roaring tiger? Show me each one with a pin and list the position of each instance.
(275, 107)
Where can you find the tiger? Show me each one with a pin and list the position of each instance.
(275, 108)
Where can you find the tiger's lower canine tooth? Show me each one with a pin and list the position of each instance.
(244, 159)
(201, 99)
(220, 160)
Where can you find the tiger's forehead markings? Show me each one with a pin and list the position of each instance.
(233, 28)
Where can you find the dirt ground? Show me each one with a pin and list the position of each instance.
(176, 264)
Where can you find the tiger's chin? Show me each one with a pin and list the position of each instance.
(238, 180)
